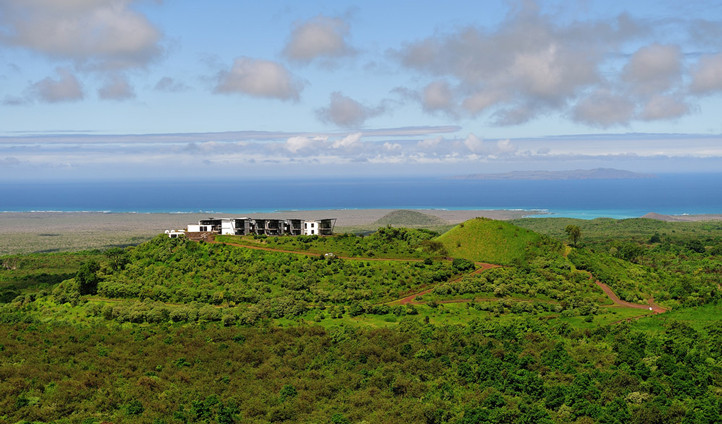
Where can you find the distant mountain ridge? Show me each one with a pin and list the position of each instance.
(577, 174)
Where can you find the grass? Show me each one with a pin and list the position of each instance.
(485, 240)
(697, 317)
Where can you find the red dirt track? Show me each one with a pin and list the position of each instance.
(617, 301)
(410, 299)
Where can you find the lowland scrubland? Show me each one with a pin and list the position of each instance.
(491, 321)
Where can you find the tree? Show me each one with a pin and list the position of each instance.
(574, 233)
(117, 258)
(87, 278)
(462, 265)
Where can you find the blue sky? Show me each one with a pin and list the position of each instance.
(182, 89)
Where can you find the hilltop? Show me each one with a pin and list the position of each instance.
(486, 240)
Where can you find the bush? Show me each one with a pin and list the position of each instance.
(463, 265)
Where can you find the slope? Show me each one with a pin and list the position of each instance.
(486, 240)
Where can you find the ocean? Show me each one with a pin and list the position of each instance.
(673, 194)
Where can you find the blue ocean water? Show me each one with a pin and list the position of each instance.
(673, 194)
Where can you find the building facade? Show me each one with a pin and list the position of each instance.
(264, 226)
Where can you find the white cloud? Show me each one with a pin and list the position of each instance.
(346, 112)
(475, 144)
(664, 107)
(318, 37)
(307, 144)
(65, 88)
(604, 109)
(349, 141)
(437, 96)
(430, 143)
(95, 34)
(529, 63)
(392, 147)
(535, 64)
(259, 78)
(654, 69)
(481, 100)
(504, 147)
(294, 144)
(117, 88)
(707, 75)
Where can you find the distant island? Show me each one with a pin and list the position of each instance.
(577, 174)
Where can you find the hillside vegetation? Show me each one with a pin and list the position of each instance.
(486, 240)
(175, 331)
(601, 231)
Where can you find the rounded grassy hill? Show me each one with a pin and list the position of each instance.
(486, 240)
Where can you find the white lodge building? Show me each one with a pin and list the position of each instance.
(262, 226)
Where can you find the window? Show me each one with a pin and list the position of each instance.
(312, 230)
(305, 225)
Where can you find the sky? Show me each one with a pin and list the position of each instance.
(124, 89)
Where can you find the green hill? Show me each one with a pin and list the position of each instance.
(486, 240)
(406, 218)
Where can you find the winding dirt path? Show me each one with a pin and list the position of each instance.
(619, 302)
(410, 298)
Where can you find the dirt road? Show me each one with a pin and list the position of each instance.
(617, 301)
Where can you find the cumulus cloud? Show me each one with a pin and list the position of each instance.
(294, 144)
(346, 112)
(707, 75)
(475, 144)
(533, 64)
(504, 147)
(528, 61)
(392, 147)
(259, 78)
(117, 88)
(348, 141)
(65, 88)
(664, 107)
(481, 100)
(95, 34)
(437, 96)
(604, 109)
(319, 37)
(654, 69)
(169, 85)
(430, 143)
